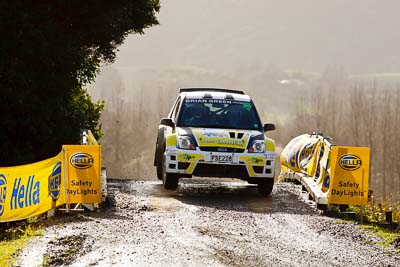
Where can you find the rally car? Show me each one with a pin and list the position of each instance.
(213, 132)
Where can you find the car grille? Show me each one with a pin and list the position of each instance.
(215, 170)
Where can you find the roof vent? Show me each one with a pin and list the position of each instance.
(207, 95)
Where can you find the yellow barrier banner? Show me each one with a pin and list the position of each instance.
(340, 172)
(349, 175)
(32, 189)
(301, 154)
(83, 172)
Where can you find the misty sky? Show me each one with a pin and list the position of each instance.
(362, 36)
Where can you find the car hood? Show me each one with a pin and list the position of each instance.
(213, 137)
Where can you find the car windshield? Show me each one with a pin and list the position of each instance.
(214, 113)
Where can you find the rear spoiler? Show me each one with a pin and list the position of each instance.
(182, 90)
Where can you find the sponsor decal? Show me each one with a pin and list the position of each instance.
(3, 191)
(222, 141)
(247, 106)
(256, 160)
(55, 182)
(214, 134)
(269, 156)
(171, 149)
(187, 156)
(350, 162)
(212, 101)
(81, 160)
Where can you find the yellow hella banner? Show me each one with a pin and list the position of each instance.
(349, 175)
(73, 176)
(83, 172)
(341, 173)
(30, 190)
(308, 154)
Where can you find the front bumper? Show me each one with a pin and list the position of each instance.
(198, 163)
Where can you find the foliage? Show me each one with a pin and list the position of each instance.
(49, 50)
(375, 212)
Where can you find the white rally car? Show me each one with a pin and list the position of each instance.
(214, 133)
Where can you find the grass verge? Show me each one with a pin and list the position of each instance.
(374, 220)
(390, 237)
(13, 237)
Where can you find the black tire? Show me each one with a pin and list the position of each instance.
(159, 169)
(265, 187)
(170, 180)
(159, 152)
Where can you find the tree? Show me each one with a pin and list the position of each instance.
(49, 50)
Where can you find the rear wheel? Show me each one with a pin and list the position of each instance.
(265, 187)
(170, 180)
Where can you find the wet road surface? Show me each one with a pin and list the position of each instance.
(206, 223)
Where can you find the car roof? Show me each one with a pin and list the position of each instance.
(214, 93)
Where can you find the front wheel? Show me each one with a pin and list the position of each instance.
(159, 169)
(170, 180)
(265, 187)
(159, 152)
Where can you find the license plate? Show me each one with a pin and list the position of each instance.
(222, 158)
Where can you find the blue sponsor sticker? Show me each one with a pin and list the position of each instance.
(3, 193)
(209, 134)
(55, 182)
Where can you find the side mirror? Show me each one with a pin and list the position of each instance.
(167, 122)
(269, 127)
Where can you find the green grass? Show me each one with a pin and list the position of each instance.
(374, 219)
(385, 233)
(13, 238)
(380, 229)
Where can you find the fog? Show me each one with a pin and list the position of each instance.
(277, 51)
(308, 35)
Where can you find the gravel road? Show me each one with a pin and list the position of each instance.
(205, 223)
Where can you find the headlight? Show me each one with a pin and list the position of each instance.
(258, 146)
(185, 142)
